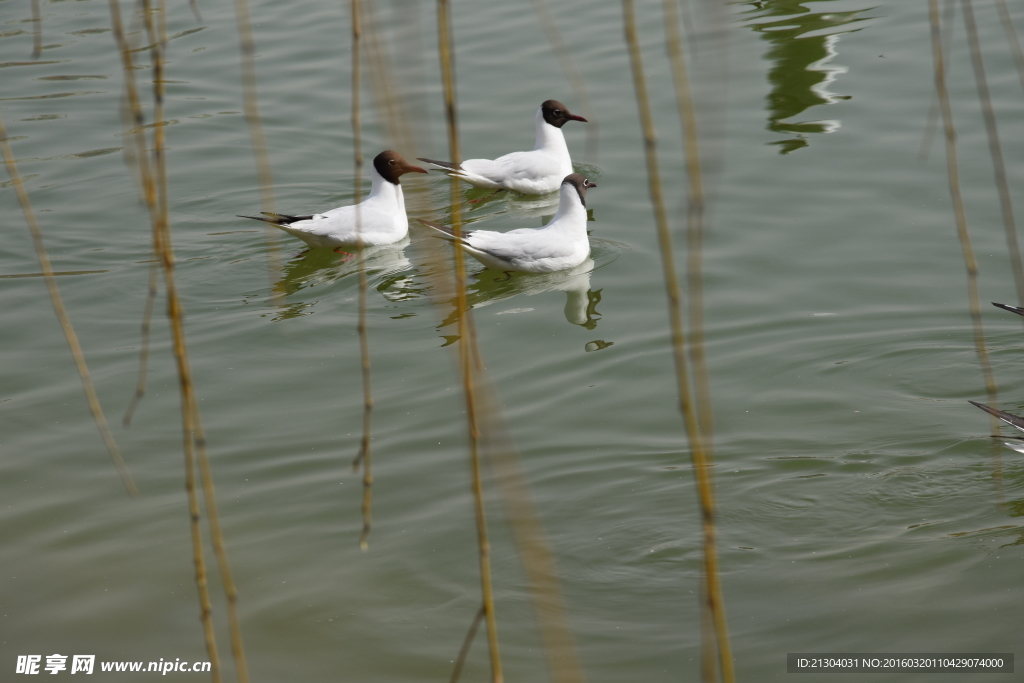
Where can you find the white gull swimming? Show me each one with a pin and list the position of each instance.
(381, 216)
(538, 171)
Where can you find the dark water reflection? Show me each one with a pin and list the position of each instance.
(804, 65)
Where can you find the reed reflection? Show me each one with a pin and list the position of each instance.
(803, 70)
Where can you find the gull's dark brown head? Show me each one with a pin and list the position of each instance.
(557, 114)
(391, 166)
(580, 183)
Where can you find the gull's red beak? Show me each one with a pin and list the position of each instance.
(573, 117)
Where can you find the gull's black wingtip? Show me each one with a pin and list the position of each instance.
(1012, 309)
(1008, 418)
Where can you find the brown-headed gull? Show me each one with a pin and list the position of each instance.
(381, 215)
(538, 171)
(559, 245)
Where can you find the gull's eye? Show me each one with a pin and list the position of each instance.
(557, 111)
(392, 162)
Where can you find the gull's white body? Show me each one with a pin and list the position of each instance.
(538, 171)
(382, 219)
(559, 245)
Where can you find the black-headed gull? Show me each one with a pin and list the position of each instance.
(382, 218)
(559, 245)
(538, 171)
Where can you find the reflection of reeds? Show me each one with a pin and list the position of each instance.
(467, 337)
(140, 157)
(364, 343)
(711, 591)
(995, 149)
(579, 86)
(460, 661)
(62, 315)
(953, 175)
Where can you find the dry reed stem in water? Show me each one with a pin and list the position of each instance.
(467, 341)
(694, 220)
(971, 265)
(62, 316)
(995, 150)
(189, 402)
(531, 543)
(695, 231)
(162, 242)
(702, 472)
(932, 125)
(219, 550)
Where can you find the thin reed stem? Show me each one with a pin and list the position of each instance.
(386, 92)
(247, 46)
(467, 337)
(219, 550)
(1012, 39)
(696, 211)
(572, 73)
(62, 315)
(364, 341)
(995, 149)
(534, 550)
(971, 265)
(949, 10)
(460, 661)
(162, 243)
(698, 452)
(37, 30)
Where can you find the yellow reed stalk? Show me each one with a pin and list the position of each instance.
(698, 451)
(528, 533)
(62, 315)
(694, 218)
(467, 340)
(219, 550)
(995, 149)
(159, 212)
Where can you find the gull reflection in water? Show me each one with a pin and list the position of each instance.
(495, 286)
(386, 264)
